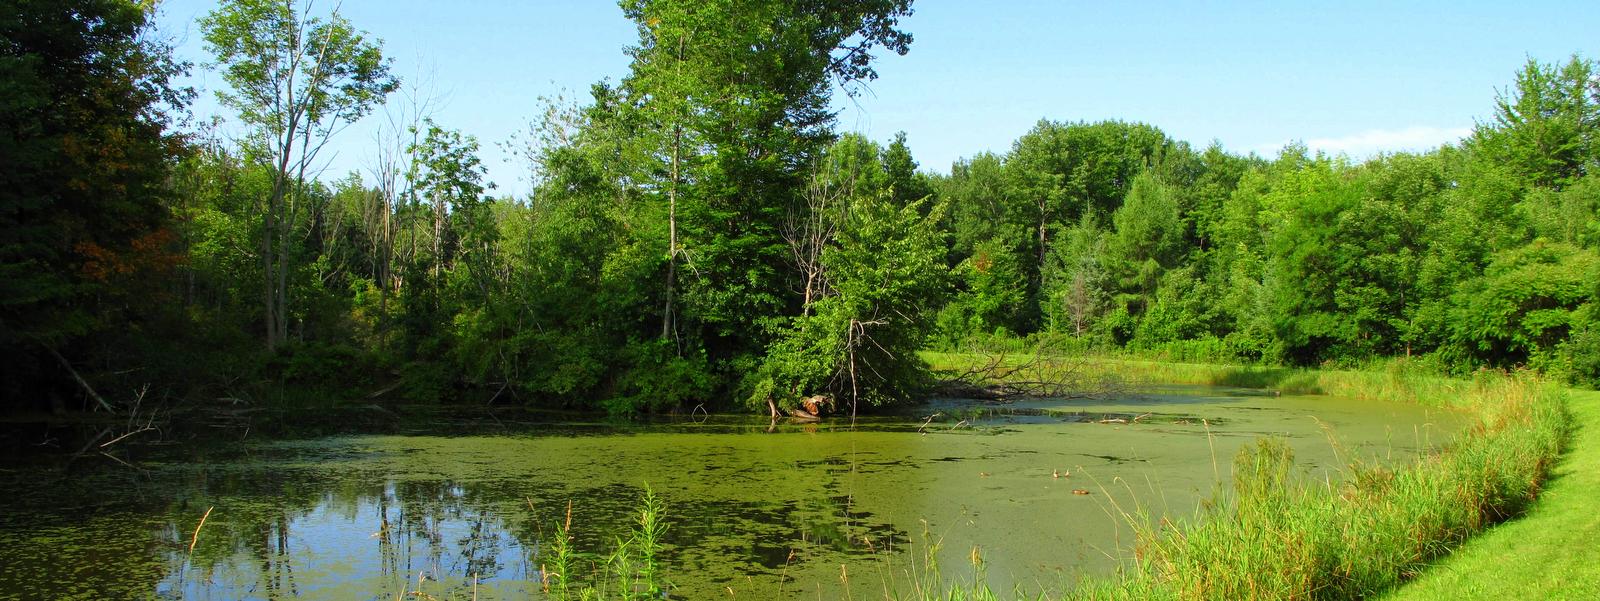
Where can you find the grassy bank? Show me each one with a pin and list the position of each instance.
(1548, 554)
(1277, 535)
(1395, 380)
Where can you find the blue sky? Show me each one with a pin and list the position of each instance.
(1353, 77)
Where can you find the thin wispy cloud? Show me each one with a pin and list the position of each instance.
(1372, 142)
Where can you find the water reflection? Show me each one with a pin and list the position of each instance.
(755, 514)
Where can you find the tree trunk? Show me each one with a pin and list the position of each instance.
(82, 383)
(1043, 222)
(438, 247)
(672, 233)
(285, 236)
(268, 298)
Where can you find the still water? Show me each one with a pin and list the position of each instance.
(459, 507)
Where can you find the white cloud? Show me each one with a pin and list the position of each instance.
(1374, 141)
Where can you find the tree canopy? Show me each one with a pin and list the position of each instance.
(701, 233)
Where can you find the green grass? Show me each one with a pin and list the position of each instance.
(1395, 380)
(1551, 553)
(1280, 535)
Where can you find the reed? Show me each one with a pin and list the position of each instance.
(1279, 534)
(630, 571)
(195, 538)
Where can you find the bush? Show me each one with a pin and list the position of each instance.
(658, 377)
(1580, 357)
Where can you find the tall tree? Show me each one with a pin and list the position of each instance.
(296, 80)
(735, 97)
(1547, 128)
(84, 146)
(908, 185)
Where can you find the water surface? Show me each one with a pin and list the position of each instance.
(756, 511)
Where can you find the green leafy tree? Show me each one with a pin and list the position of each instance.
(1529, 300)
(1148, 232)
(1547, 128)
(732, 99)
(296, 80)
(989, 286)
(84, 242)
(449, 179)
(980, 204)
(1570, 215)
(908, 185)
(886, 275)
(1079, 284)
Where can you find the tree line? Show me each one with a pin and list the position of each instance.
(699, 232)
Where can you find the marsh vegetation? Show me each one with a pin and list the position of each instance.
(228, 374)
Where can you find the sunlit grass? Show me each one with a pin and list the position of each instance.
(1548, 554)
(1396, 379)
(1280, 535)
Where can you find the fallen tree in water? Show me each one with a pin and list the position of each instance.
(1043, 371)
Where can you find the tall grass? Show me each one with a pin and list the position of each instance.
(631, 570)
(1396, 379)
(1280, 535)
(920, 579)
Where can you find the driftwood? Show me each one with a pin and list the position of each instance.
(812, 408)
(802, 415)
(391, 388)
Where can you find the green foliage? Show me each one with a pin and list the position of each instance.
(1543, 130)
(631, 571)
(292, 73)
(319, 365)
(1579, 354)
(659, 377)
(1147, 224)
(991, 285)
(1304, 259)
(295, 80)
(1529, 300)
(85, 242)
(1178, 312)
(886, 273)
(901, 169)
(1078, 283)
(699, 232)
(1570, 215)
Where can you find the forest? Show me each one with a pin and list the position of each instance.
(702, 233)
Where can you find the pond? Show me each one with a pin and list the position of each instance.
(459, 507)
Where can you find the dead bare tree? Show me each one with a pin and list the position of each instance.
(1044, 371)
(811, 224)
(859, 335)
(393, 172)
(1080, 303)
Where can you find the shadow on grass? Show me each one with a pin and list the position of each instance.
(1282, 379)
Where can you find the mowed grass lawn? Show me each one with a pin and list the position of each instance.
(1551, 553)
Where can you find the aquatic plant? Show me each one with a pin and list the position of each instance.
(630, 571)
(1280, 535)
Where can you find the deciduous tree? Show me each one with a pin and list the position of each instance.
(295, 80)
